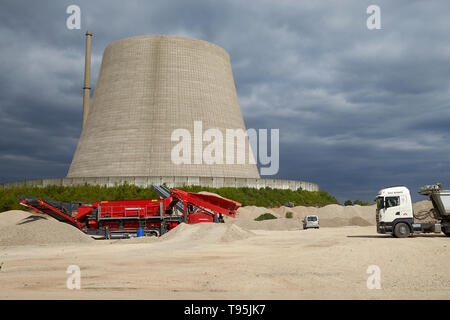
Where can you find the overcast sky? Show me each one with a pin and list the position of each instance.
(357, 109)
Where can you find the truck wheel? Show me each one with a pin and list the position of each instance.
(446, 232)
(401, 230)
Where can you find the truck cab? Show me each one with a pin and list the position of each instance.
(394, 213)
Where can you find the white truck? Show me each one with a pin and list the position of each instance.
(394, 214)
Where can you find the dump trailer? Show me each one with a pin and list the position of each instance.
(125, 218)
(395, 215)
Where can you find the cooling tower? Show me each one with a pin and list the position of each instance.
(148, 87)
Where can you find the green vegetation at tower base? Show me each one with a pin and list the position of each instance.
(357, 202)
(268, 197)
(265, 197)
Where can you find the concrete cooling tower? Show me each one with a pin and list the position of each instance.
(148, 87)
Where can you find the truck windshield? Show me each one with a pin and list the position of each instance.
(312, 218)
(392, 202)
(380, 203)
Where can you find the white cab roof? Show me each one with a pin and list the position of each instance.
(393, 191)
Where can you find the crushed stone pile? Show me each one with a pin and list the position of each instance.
(207, 232)
(9, 218)
(423, 206)
(329, 216)
(19, 228)
(210, 194)
(333, 215)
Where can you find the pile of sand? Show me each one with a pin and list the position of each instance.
(23, 228)
(335, 215)
(246, 219)
(210, 193)
(421, 207)
(329, 216)
(207, 232)
(9, 218)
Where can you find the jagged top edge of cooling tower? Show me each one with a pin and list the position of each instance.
(204, 43)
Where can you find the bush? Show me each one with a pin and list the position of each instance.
(357, 202)
(84, 193)
(289, 215)
(265, 216)
(361, 203)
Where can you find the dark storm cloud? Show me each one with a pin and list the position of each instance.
(357, 109)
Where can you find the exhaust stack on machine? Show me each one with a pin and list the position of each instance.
(87, 78)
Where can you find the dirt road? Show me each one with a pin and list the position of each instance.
(329, 263)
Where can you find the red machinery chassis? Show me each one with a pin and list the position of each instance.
(123, 218)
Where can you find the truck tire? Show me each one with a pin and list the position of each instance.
(401, 230)
(446, 232)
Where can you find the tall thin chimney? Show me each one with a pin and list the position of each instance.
(87, 78)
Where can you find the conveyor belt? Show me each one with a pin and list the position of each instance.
(165, 193)
(61, 211)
